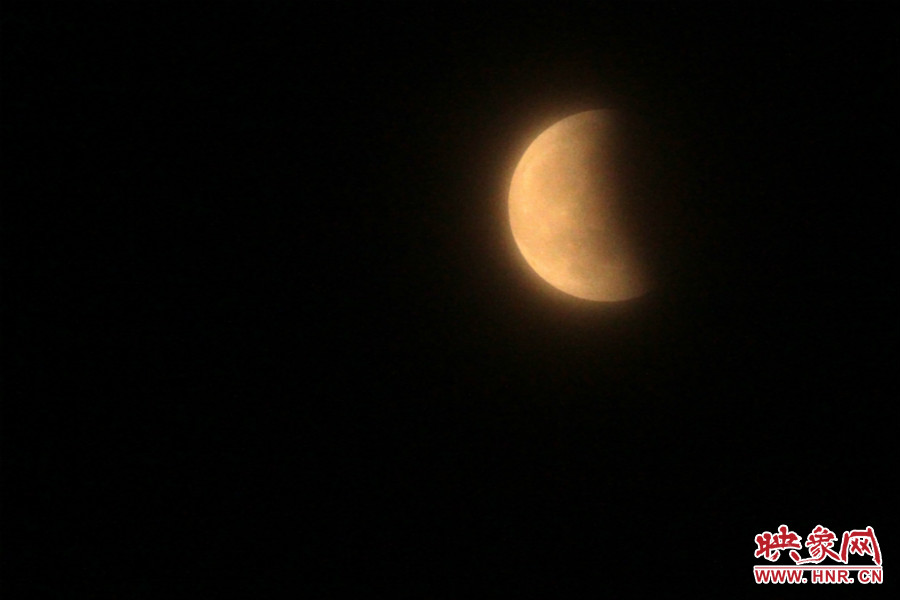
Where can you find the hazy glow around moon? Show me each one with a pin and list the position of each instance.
(563, 211)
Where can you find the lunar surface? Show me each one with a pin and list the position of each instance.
(565, 211)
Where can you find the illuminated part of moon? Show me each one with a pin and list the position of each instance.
(564, 202)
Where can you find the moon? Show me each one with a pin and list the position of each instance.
(565, 210)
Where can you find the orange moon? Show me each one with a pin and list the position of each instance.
(565, 211)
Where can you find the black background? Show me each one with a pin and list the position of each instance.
(266, 329)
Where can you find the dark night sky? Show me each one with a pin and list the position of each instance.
(265, 329)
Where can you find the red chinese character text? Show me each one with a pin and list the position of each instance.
(819, 543)
(862, 542)
(769, 546)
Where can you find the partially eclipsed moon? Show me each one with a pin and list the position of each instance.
(564, 211)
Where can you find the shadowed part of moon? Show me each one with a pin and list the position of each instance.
(565, 211)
